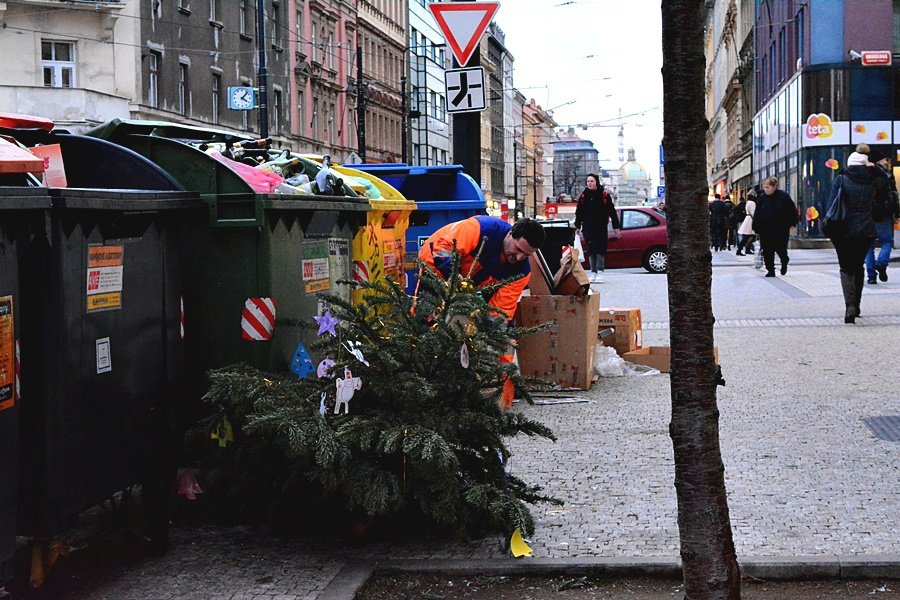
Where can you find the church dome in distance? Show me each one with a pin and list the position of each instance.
(631, 169)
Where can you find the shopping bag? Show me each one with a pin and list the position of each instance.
(578, 246)
(758, 258)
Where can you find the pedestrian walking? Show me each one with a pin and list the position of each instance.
(739, 215)
(859, 187)
(773, 217)
(885, 214)
(718, 223)
(731, 224)
(593, 214)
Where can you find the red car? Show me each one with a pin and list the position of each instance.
(643, 241)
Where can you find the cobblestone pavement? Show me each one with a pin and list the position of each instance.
(805, 475)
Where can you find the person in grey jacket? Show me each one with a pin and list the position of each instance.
(860, 187)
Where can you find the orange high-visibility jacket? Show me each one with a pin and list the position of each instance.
(491, 266)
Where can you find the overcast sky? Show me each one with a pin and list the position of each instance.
(564, 50)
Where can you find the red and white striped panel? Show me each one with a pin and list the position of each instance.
(258, 319)
(360, 271)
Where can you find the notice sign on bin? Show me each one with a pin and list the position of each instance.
(7, 354)
(104, 277)
(315, 268)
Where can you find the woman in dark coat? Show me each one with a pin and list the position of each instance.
(594, 211)
(773, 218)
(860, 186)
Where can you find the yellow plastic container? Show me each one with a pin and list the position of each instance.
(379, 249)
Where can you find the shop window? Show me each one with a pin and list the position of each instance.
(870, 94)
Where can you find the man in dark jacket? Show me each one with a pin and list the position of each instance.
(718, 223)
(885, 215)
(772, 221)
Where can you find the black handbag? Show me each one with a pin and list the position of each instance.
(834, 224)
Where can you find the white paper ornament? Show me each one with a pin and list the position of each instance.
(346, 387)
(353, 348)
(322, 405)
(464, 356)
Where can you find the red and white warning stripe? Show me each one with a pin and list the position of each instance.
(258, 319)
(17, 393)
(181, 321)
(360, 271)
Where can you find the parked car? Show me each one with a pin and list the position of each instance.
(643, 241)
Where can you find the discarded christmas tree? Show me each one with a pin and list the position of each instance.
(420, 434)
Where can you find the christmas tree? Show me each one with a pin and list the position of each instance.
(420, 434)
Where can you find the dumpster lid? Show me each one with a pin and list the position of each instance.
(18, 198)
(131, 200)
(341, 203)
(121, 127)
(17, 121)
(434, 205)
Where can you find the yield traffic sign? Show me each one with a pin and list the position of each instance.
(463, 24)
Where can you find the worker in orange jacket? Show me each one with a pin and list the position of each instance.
(504, 254)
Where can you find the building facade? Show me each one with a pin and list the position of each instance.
(729, 96)
(382, 36)
(816, 99)
(539, 131)
(573, 159)
(633, 184)
(429, 123)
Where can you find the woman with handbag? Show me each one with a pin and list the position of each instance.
(593, 214)
(745, 229)
(848, 222)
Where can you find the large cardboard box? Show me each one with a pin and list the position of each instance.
(563, 354)
(627, 323)
(657, 357)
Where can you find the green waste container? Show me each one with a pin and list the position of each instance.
(20, 211)
(101, 354)
(254, 265)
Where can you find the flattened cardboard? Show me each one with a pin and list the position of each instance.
(563, 354)
(541, 282)
(657, 357)
(571, 280)
(627, 324)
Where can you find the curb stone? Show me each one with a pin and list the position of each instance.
(353, 576)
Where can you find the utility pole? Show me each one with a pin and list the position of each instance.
(404, 123)
(263, 75)
(360, 104)
(534, 178)
(467, 131)
(515, 180)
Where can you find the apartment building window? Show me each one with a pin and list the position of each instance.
(301, 113)
(313, 48)
(433, 108)
(331, 123)
(183, 89)
(276, 25)
(216, 97)
(413, 38)
(276, 111)
(300, 40)
(243, 16)
(329, 49)
(782, 52)
(442, 107)
(800, 32)
(213, 11)
(314, 132)
(153, 61)
(58, 63)
(442, 57)
(184, 6)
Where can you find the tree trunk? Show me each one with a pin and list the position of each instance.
(707, 548)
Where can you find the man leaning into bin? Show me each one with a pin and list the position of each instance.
(504, 255)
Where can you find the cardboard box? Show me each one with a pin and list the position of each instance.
(657, 357)
(541, 281)
(571, 280)
(564, 354)
(627, 323)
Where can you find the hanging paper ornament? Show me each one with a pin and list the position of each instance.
(187, 484)
(322, 405)
(518, 546)
(354, 349)
(302, 365)
(464, 356)
(222, 432)
(346, 387)
(327, 323)
(324, 368)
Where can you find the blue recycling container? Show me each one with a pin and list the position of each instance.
(443, 194)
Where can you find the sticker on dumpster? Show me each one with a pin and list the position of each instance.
(258, 319)
(7, 354)
(314, 268)
(104, 277)
(422, 240)
(339, 265)
(104, 356)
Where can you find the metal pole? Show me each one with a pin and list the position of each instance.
(467, 130)
(534, 178)
(515, 179)
(404, 123)
(263, 75)
(360, 104)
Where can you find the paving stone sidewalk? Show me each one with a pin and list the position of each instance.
(805, 477)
